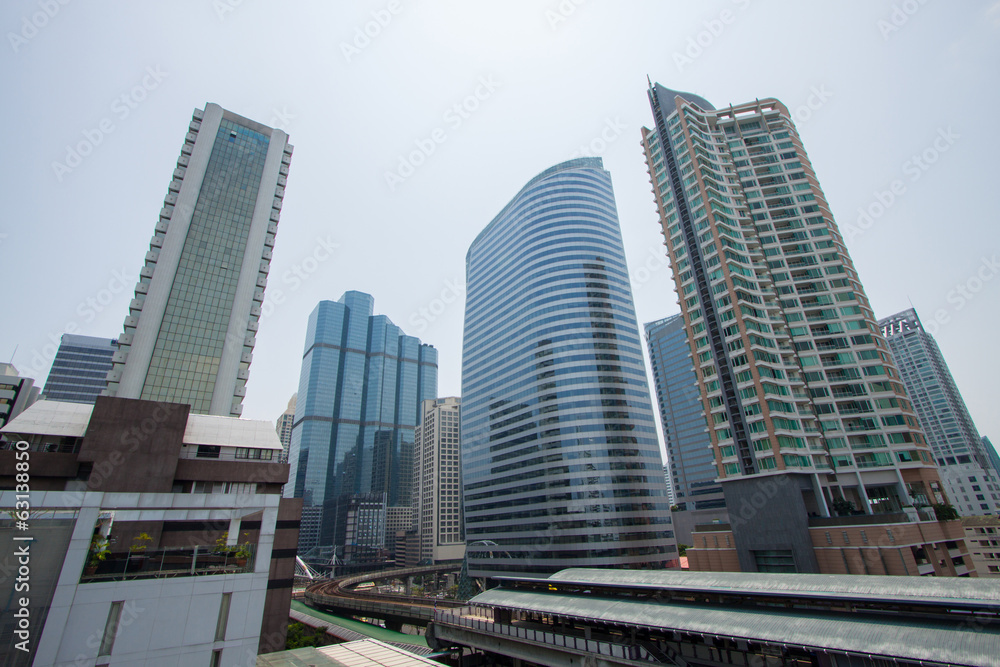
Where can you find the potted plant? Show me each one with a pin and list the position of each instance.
(243, 553)
(139, 543)
(98, 553)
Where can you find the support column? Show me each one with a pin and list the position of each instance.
(863, 494)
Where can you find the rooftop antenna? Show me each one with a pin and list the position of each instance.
(14, 352)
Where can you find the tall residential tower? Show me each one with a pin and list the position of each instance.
(560, 460)
(807, 415)
(964, 463)
(191, 328)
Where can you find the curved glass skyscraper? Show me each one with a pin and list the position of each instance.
(560, 460)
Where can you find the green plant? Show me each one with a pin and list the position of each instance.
(843, 506)
(945, 512)
(139, 542)
(682, 549)
(99, 550)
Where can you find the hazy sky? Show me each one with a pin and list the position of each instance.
(895, 101)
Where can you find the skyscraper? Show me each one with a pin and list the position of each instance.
(80, 369)
(963, 462)
(360, 390)
(807, 415)
(692, 468)
(191, 328)
(991, 454)
(437, 502)
(560, 460)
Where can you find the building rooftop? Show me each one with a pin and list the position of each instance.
(869, 587)
(71, 419)
(361, 653)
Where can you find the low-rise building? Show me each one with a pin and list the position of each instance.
(155, 535)
(982, 534)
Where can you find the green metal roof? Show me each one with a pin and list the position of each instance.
(967, 591)
(366, 629)
(945, 643)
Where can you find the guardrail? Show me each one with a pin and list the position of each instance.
(170, 562)
(480, 620)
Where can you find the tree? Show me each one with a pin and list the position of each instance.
(301, 636)
(945, 512)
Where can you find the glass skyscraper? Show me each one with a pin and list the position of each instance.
(191, 328)
(360, 390)
(963, 462)
(560, 460)
(80, 369)
(692, 467)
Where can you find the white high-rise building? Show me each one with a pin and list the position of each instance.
(437, 496)
(963, 461)
(191, 327)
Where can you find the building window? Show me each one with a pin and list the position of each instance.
(220, 627)
(774, 561)
(111, 629)
(217, 658)
(208, 451)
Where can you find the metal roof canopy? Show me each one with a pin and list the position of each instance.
(969, 643)
(951, 591)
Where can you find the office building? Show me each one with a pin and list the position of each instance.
(807, 415)
(360, 390)
(964, 465)
(80, 369)
(698, 496)
(191, 328)
(561, 465)
(284, 428)
(156, 536)
(16, 393)
(437, 481)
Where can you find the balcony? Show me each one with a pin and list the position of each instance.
(170, 562)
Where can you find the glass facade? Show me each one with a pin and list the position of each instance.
(685, 431)
(80, 368)
(188, 349)
(360, 390)
(560, 461)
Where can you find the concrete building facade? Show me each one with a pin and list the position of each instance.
(437, 481)
(157, 536)
(808, 418)
(982, 535)
(16, 393)
(560, 460)
(283, 427)
(191, 328)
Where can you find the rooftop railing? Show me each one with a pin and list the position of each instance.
(170, 562)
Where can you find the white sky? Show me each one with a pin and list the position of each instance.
(560, 75)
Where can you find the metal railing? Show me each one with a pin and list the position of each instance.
(169, 562)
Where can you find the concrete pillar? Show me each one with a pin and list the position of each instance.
(864, 494)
